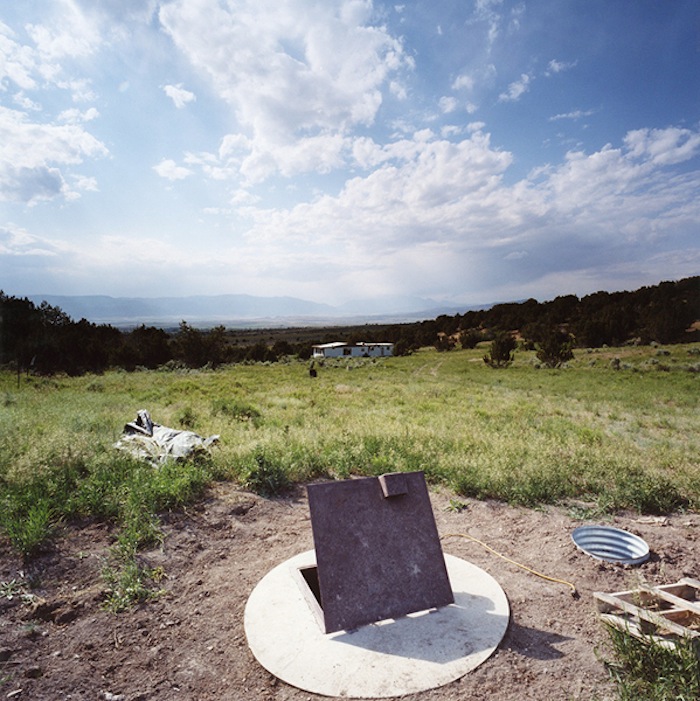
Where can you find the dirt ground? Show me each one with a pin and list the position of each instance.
(190, 643)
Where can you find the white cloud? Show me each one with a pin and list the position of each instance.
(18, 63)
(487, 11)
(444, 210)
(75, 116)
(575, 115)
(26, 103)
(419, 190)
(42, 56)
(169, 170)
(179, 95)
(38, 158)
(34, 155)
(86, 183)
(663, 146)
(448, 104)
(290, 79)
(516, 89)
(301, 86)
(554, 67)
(68, 32)
(463, 82)
(15, 241)
(398, 89)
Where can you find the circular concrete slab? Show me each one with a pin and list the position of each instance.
(390, 658)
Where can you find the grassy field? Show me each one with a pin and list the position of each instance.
(597, 437)
(616, 429)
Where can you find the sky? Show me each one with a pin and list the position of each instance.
(465, 151)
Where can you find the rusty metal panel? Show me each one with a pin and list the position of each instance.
(378, 551)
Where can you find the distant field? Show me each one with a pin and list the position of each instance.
(596, 437)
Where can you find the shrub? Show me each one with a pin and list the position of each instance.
(241, 411)
(470, 338)
(444, 343)
(29, 526)
(501, 351)
(648, 494)
(187, 418)
(129, 584)
(265, 476)
(555, 348)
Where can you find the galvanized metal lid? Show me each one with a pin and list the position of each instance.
(611, 544)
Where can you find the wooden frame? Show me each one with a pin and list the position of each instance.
(663, 614)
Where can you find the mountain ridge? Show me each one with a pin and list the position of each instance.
(242, 310)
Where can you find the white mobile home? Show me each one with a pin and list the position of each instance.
(353, 350)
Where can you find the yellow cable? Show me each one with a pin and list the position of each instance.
(574, 593)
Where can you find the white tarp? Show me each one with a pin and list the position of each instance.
(148, 440)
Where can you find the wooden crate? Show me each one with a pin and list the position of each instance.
(663, 614)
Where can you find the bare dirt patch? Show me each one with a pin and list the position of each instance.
(190, 643)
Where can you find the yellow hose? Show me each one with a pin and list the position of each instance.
(574, 593)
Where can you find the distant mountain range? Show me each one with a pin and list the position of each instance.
(243, 311)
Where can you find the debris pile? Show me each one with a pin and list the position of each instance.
(150, 441)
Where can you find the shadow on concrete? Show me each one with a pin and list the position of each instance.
(470, 626)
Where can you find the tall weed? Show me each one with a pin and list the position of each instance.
(265, 475)
(644, 670)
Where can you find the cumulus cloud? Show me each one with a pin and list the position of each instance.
(18, 63)
(68, 32)
(434, 215)
(170, 170)
(418, 190)
(663, 146)
(38, 154)
(26, 103)
(76, 116)
(463, 82)
(301, 85)
(516, 89)
(447, 210)
(448, 104)
(179, 95)
(34, 155)
(290, 82)
(31, 185)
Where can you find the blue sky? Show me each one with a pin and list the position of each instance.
(467, 151)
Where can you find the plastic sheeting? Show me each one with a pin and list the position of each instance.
(150, 441)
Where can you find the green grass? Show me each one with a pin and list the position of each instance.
(614, 439)
(644, 670)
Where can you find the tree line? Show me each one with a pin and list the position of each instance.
(665, 313)
(44, 340)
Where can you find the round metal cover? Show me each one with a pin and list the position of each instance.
(611, 544)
